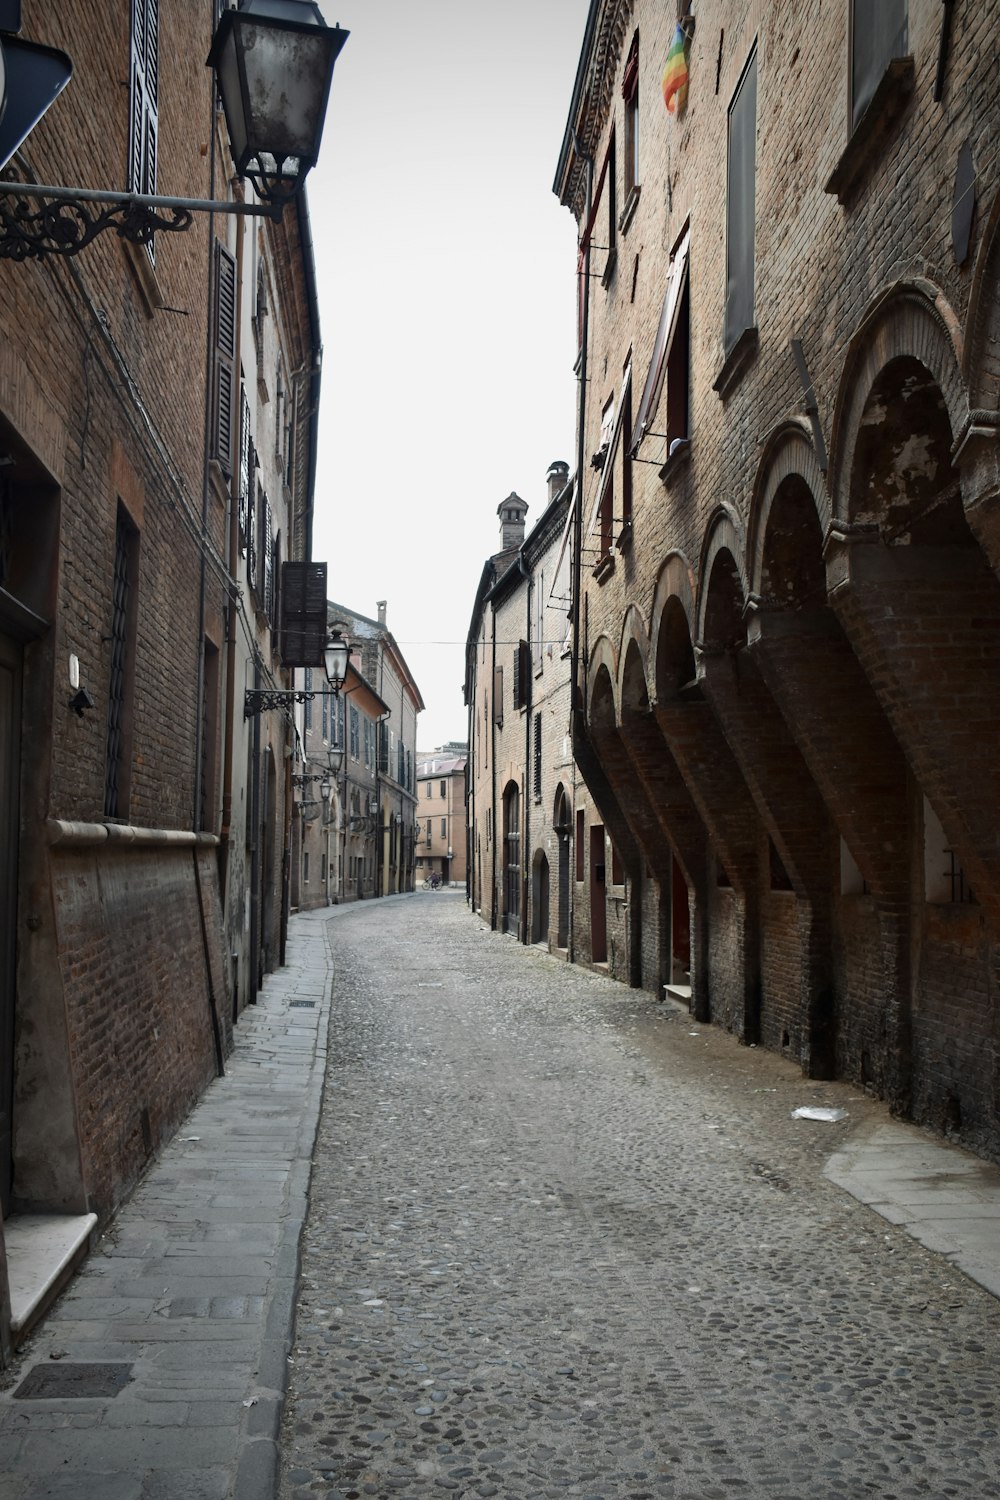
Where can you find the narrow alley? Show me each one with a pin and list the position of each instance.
(564, 1241)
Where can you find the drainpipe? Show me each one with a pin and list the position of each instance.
(493, 768)
(254, 814)
(526, 821)
(575, 709)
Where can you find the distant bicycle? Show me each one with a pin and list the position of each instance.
(432, 882)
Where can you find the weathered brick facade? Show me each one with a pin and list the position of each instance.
(127, 816)
(787, 542)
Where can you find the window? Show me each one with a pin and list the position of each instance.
(355, 733)
(121, 686)
(368, 741)
(428, 830)
(522, 674)
(223, 355)
(944, 879)
(879, 33)
(579, 844)
(305, 867)
(324, 702)
(540, 602)
(626, 424)
(498, 696)
(630, 94)
(308, 715)
(444, 789)
(740, 205)
(444, 828)
(666, 332)
(143, 83)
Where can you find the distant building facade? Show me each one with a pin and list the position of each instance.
(441, 823)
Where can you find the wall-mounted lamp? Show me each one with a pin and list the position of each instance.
(273, 62)
(336, 657)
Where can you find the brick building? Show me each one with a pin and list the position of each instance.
(441, 814)
(141, 816)
(786, 549)
(360, 841)
(540, 863)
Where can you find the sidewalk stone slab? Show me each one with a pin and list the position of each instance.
(194, 1284)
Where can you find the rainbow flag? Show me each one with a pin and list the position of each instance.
(675, 74)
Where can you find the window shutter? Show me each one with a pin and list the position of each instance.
(878, 34)
(498, 696)
(518, 674)
(383, 748)
(225, 356)
(740, 204)
(247, 465)
(143, 87)
(267, 549)
(252, 544)
(537, 762)
(303, 615)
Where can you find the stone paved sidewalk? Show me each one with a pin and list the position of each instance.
(189, 1300)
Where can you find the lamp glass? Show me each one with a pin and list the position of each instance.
(335, 756)
(335, 659)
(274, 64)
(325, 787)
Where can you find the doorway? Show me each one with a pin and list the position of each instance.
(540, 899)
(511, 858)
(598, 902)
(10, 739)
(680, 927)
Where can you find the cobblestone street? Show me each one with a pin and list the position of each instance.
(563, 1241)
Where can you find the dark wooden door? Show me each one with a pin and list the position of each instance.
(10, 720)
(511, 859)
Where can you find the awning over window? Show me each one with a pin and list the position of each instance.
(651, 391)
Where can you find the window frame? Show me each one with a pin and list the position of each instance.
(740, 306)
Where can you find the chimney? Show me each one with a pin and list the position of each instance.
(380, 606)
(512, 512)
(556, 478)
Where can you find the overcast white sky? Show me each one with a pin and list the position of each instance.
(447, 293)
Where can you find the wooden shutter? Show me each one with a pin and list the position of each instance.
(498, 696)
(740, 206)
(303, 614)
(143, 90)
(267, 558)
(878, 34)
(247, 464)
(224, 331)
(518, 674)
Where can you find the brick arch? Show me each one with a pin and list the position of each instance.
(602, 674)
(633, 656)
(910, 321)
(788, 456)
(675, 582)
(724, 537)
(980, 364)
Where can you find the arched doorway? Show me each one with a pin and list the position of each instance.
(511, 858)
(540, 899)
(563, 824)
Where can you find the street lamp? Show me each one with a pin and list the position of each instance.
(274, 65)
(335, 658)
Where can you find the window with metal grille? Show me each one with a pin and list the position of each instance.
(143, 90)
(740, 206)
(122, 674)
(536, 763)
(224, 357)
